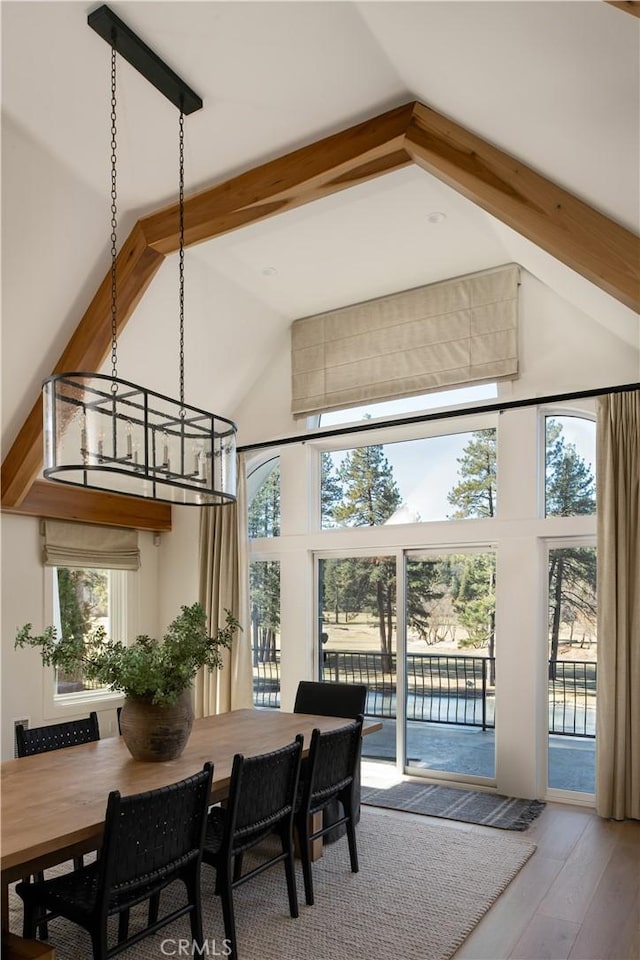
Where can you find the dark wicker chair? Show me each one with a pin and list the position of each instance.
(261, 802)
(57, 736)
(334, 758)
(150, 840)
(328, 699)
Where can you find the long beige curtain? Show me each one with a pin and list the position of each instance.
(224, 585)
(618, 496)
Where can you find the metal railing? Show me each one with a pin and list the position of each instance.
(443, 688)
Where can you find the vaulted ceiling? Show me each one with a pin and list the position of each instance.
(553, 85)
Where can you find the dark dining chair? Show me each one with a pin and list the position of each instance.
(327, 699)
(329, 775)
(261, 802)
(57, 736)
(150, 840)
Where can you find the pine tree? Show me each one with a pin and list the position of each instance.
(330, 490)
(569, 490)
(263, 518)
(475, 493)
(370, 497)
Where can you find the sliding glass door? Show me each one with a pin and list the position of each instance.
(449, 671)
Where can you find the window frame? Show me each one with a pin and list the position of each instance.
(123, 605)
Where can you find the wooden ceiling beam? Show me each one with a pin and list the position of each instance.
(629, 6)
(591, 244)
(335, 163)
(60, 501)
(570, 230)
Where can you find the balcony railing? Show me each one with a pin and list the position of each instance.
(443, 688)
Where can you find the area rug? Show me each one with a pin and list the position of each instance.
(490, 809)
(421, 890)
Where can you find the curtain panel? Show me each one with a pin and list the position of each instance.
(224, 585)
(445, 334)
(618, 693)
(68, 544)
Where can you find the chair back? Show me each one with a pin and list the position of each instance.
(56, 736)
(154, 834)
(327, 699)
(332, 763)
(262, 792)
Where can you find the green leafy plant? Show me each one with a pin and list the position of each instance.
(147, 669)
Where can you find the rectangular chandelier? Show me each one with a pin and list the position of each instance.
(108, 434)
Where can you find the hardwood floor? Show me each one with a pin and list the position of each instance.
(577, 898)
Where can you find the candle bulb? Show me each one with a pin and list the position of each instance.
(100, 446)
(129, 443)
(165, 455)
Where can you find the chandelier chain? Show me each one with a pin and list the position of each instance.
(114, 224)
(181, 258)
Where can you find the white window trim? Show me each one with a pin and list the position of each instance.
(123, 596)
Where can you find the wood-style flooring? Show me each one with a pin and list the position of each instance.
(577, 898)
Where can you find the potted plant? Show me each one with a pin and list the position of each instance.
(154, 676)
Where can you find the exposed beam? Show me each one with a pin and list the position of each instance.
(593, 245)
(629, 6)
(570, 230)
(323, 168)
(61, 501)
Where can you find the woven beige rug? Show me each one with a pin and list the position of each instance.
(421, 890)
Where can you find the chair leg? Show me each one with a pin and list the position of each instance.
(37, 913)
(192, 884)
(123, 925)
(228, 916)
(290, 871)
(304, 843)
(154, 908)
(350, 806)
(99, 942)
(353, 849)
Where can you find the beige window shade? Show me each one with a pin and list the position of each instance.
(445, 334)
(82, 545)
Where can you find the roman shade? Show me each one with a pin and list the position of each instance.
(66, 544)
(456, 332)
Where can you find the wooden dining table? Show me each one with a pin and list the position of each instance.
(52, 805)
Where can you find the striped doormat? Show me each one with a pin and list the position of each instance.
(471, 806)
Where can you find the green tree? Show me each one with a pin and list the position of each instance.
(570, 485)
(569, 491)
(330, 490)
(75, 612)
(473, 580)
(474, 599)
(475, 493)
(371, 494)
(370, 497)
(263, 518)
(264, 584)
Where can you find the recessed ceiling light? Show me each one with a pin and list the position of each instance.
(436, 217)
(269, 271)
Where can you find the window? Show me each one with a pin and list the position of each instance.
(572, 668)
(263, 495)
(264, 600)
(85, 599)
(408, 405)
(414, 481)
(569, 466)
